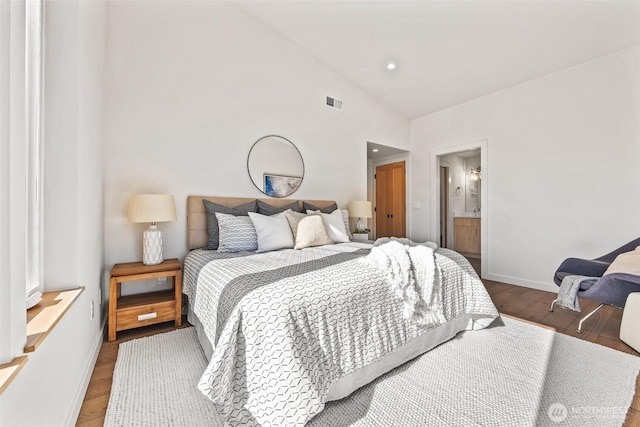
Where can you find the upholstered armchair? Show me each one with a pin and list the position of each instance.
(611, 289)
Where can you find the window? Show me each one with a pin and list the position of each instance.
(35, 172)
(20, 167)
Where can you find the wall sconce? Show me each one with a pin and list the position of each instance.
(475, 174)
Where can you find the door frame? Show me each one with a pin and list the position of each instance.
(406, 158)
(444, 235)
(484, 187)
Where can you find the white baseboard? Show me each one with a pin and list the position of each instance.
(520, 282)
(72, 417)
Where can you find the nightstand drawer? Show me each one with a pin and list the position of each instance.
(133, 317)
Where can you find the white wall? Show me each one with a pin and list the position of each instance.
(191, 86)
(578, 193)
(50, 388)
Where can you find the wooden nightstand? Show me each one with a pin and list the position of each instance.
(133, 311)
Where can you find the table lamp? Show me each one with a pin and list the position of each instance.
(152, 208)
(360, 209)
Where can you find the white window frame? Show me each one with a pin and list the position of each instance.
(34, 72)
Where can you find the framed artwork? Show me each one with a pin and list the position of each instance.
(280, 185)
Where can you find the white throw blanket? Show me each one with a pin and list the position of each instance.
(414, 276)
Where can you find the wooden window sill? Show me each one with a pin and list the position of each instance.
(8, 371)
(43, 317)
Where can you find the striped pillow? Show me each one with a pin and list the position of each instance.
(237, 233)
(345, 219)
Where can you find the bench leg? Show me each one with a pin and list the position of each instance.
(588, 316)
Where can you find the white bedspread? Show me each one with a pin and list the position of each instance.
(294, 322)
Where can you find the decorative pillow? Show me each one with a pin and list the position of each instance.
(334, 224)
(309, 207)
(212, 222)
(628, 262)
(237, 233)
(311, 232)
(345, 219)
(273, 232)
(265, 208)
(294, 219)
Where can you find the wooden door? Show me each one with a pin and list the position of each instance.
(391, 200)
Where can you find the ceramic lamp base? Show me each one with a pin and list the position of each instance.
(152, 246)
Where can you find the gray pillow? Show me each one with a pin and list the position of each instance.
(265, 208)
(237, 233)
(327, 210)
(212, 221)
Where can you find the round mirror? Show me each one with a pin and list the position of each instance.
(275, 166)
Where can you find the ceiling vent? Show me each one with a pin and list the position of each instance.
(334, 103)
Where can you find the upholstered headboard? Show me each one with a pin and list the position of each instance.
(197, 234)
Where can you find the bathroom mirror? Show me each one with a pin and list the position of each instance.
(473, 176)
(275, 166)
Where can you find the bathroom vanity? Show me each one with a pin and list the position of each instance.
(466, 232)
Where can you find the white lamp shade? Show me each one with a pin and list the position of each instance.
(152, 208)
(360, 209)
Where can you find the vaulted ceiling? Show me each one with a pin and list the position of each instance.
(450, 52)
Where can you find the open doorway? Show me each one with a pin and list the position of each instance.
(459, 201)
(444, 204)
(390, 198)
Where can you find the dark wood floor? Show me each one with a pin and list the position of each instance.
(528, 304)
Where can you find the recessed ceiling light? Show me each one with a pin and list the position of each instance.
(391, 65)
(375, 150)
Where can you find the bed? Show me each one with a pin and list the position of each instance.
(287, 331)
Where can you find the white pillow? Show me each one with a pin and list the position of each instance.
(334, 224)
(237, 233)
(627, 262)
(273, 232)
(311, 232)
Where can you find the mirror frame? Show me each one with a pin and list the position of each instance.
(249, 170)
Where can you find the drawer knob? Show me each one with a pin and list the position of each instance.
(148, 316)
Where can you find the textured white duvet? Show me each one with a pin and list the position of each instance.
(290, 337)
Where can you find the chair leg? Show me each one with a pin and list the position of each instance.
(588, 316)
(552, 304)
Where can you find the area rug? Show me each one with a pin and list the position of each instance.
(513, 374)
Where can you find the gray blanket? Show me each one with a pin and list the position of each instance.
(568, 292)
